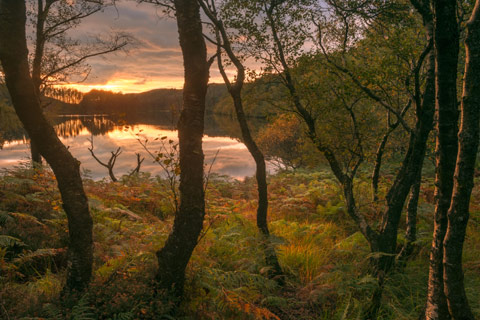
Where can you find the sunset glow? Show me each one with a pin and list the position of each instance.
(133, 85)
(128, 85)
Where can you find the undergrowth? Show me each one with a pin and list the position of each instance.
(324, 257)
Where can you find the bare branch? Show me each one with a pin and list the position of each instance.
(111, 162)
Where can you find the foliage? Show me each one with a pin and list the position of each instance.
(167, 157)
(324, 257)
(283, 143)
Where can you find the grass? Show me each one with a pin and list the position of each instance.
(324, 257)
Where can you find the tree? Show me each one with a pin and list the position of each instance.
(57, 57)
(277, 44)
(446, 42)
(456, 156)
(174, 256)
(458, 212)
(14, 59)
(283, 143)
(223, 44)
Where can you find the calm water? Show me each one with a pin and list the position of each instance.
(108, 134)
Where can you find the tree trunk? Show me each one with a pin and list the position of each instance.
(36, 157)
(408, 174)
(446, 40)
(37, 66)
(378, 164)
(174, 256)
(261, 176)
(411, 165)
(411, 220)
(235, 91)
(458, 213)
(14, 58)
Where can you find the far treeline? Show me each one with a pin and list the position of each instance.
(352, 85)
(66, 101)
(114, 103)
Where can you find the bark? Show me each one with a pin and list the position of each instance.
(446, 44)
(174, 256)
(42, 12)
(40, 40)
(139, 164)
(261, 176)
(411, 220)
(35, 153)
(381, 150)
(398, 193)
(412, 208)
(378, 164)
(458, 213)
(14, 58)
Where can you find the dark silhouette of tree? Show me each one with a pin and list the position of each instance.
(174, 256)
(14, 59)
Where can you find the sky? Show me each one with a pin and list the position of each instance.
(154, 62)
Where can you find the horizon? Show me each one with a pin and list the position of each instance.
(109, 88)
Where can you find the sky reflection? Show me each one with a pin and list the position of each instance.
(233, 158)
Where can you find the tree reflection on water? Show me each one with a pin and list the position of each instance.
(111, 132)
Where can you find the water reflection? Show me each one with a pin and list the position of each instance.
(72, 126)
(111, 132)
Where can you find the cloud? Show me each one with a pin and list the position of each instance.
(154, 61)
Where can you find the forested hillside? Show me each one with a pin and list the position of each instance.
(162, 100)
(150, 102)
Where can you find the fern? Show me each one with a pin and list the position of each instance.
(9, 242)
(5, 218)
(239, 279)
(82, 310)
(35, 256)
(26, 218)
(124, 316)
(53, 311)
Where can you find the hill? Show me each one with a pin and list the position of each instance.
(149, 102)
